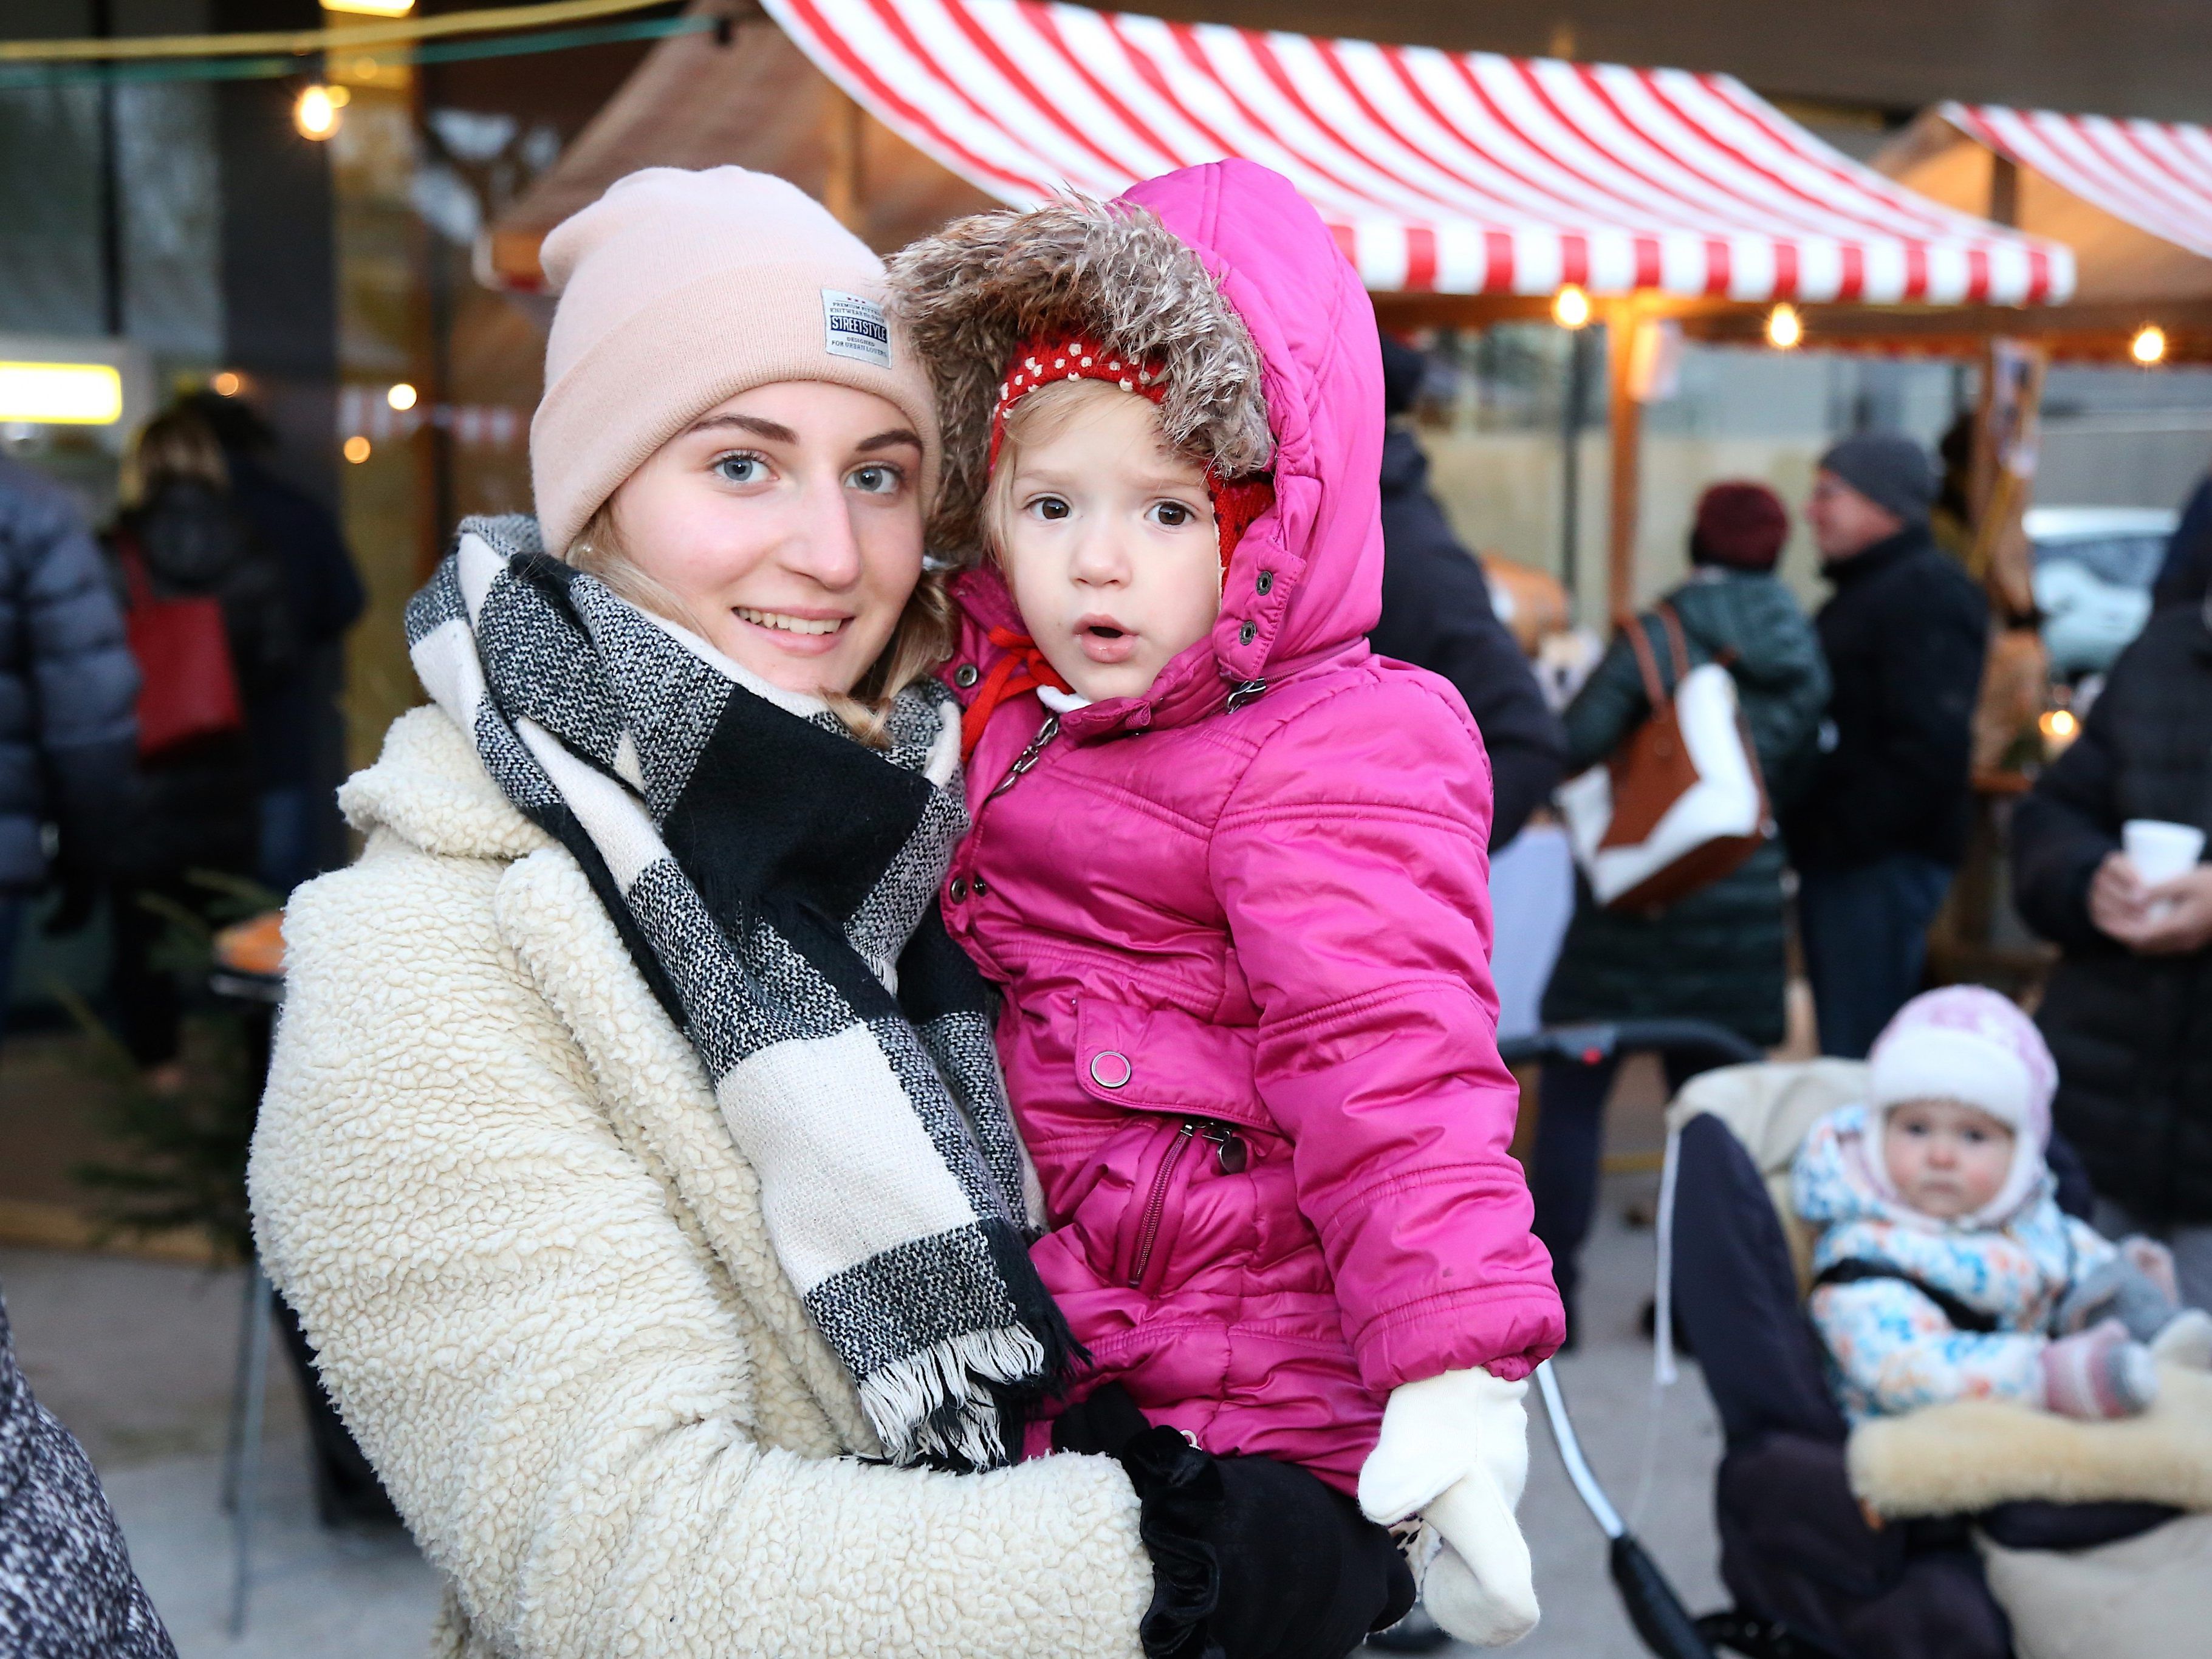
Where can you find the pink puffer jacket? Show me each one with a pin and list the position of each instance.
(1250, 1030)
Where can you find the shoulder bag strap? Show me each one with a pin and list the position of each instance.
(1677, 644)
(1654, 690)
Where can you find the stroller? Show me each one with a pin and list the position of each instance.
(1812, 1576)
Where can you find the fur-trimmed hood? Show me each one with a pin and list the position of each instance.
(1228, 278)
(978, 289)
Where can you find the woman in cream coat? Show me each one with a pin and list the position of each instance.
(490, 1172)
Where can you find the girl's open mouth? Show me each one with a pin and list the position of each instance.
(1104, 642)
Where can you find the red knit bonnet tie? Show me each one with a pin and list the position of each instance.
(1040, 362)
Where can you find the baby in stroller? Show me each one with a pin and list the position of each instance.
(1944, 1269)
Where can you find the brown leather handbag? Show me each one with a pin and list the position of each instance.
(1681, 803)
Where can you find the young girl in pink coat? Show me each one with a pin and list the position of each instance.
(1229, 866)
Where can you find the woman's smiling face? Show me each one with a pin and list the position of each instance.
(785, 523)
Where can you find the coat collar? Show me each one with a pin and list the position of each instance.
(1891, 549)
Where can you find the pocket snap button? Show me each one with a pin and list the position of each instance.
(959, 889)
(1110, 1070)
(965, 675)
(1247, 633)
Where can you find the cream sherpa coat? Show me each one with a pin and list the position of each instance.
(490, 1176)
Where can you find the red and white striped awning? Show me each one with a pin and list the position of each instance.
(1440, 173)
(2156, 175)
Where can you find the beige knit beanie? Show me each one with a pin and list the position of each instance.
(678, 291)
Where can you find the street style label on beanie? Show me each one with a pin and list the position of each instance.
(853, 326)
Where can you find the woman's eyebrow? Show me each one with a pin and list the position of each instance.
(891, 440)
(772, 431)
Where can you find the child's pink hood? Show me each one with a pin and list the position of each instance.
(1271, 920)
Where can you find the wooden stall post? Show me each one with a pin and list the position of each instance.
(1625, 427)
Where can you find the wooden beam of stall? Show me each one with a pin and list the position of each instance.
(1624, 429)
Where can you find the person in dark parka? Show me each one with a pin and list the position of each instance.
(67, 693)
(298, 739)
(195, 808)
(2129, 1009)
(1878, 836)
(66, 1587)
(1437, 614)
(1719, 954)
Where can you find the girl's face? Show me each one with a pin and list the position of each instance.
(788, 524)
(1108, 542)
(1946, 1159)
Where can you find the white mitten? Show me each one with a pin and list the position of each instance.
(2186, 1340)
(1455, 1450)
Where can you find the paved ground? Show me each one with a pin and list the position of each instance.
(137, 1357)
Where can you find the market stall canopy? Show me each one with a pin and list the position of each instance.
(1440, 173)
(2132, 199)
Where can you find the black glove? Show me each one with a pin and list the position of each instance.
(1251, 1559)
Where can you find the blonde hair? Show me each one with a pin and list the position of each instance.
(923, 639)
(175, 445)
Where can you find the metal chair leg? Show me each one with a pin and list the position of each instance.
(245, 1489)
(234, 1434)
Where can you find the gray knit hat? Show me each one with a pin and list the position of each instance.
(1892, 472)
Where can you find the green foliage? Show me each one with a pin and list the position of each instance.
(186, 1146)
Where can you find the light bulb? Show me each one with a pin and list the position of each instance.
(1785, 328)
(401, 396)
(356, 449)
(315, 113)
(1570, 307)
(227, 383)
(2148, 346)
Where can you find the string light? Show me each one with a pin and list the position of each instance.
(315, 113)
(356, 449)
(1785, 328)
(1570, 307)
(401, 396)
(2148, 346)
(2059, 727)
(227, 383)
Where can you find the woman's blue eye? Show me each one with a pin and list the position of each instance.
(876, 478)
(741, 469)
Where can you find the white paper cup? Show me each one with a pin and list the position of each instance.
(2162, 851)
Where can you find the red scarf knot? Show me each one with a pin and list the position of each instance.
(1022, 668)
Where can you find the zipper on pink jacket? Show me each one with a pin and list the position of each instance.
(1228, 1152)
(1149, 1233)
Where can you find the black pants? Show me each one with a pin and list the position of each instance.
(1563, 1177)
(148, 1002)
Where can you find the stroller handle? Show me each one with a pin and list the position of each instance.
(1696, 1039)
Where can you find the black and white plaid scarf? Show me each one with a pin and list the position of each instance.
(775, 881)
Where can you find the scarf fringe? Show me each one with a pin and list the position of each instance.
(942, 1407)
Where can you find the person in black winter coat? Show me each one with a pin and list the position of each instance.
(195, 808)
(66, 1587)
(68, 690)
(2129, 1009)
(1437, 615)
(298, 735)
(1879, 834)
